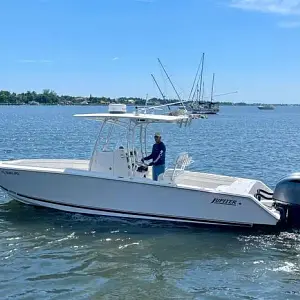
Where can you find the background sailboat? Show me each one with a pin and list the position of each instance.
(196, 101)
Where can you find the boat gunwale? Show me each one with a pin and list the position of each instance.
(136, 180)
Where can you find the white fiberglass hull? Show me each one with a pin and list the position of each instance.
(87, 192)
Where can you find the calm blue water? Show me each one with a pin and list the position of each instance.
(45, 254)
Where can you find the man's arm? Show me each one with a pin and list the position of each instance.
(149, 156)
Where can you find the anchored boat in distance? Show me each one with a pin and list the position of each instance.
(266, 107)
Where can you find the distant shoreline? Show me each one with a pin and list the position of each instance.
(97, 104)
(50, 98)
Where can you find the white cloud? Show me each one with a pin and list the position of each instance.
(282, 7)
(26, 61)
(289, 24)
(115, 58)
(34, 61)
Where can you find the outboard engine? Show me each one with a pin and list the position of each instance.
(287, 198)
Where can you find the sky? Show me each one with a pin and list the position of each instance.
(110, 47)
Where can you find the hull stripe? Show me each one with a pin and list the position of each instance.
(131, 213)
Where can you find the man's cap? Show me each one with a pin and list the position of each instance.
(157, 134)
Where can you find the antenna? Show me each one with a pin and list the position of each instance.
(146, 102)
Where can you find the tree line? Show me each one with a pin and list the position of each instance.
(49, 97)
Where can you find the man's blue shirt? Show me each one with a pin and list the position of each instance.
(158, 154)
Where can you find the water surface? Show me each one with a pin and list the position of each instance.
(45, 254)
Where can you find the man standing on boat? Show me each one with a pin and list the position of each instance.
(158, 157)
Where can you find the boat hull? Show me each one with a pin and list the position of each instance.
(86, 192)
(265, 107)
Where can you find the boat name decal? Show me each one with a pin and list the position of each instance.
(10, 172)
(224, 201)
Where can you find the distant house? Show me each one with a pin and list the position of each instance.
(78, 100)
(33, 103)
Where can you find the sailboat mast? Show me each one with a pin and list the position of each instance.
(212, 88)
(196, 76)
(197, 91)
(199, 82)
(171, 82)
(201, 76)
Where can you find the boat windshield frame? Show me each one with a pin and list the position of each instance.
(132, 123)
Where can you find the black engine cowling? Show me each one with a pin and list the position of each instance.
(287, 197)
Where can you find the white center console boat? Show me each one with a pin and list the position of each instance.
(114, 182)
